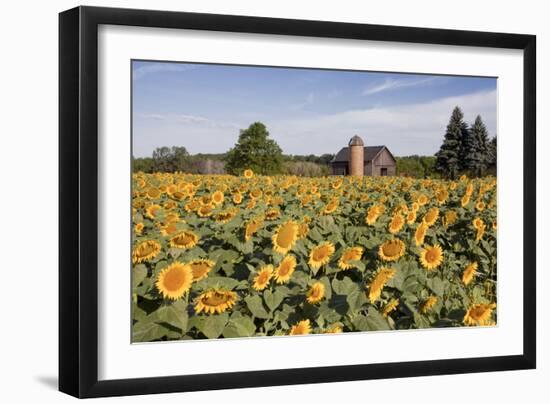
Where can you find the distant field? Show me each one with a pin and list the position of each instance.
(226, 256)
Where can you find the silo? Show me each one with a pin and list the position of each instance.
(357, 156)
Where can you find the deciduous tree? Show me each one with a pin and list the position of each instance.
(255, 150)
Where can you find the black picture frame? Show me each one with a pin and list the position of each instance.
(78, 200)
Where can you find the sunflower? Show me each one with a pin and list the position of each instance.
(201, 268)
(205, 200)
(172, 217)
(480, 206)
(255, 193)
(191, 206)
(391, 306)
(184, 239)
(306, 200)
(450, 218)
(480, 232)
(316, 293)
(277, 200)
(138, 228)
(442, 195)
(215, 300)
(285, 269)
(477, 222)
(431, 257)
(225, 216)
(237, 198)
(350, 254)
(422, 200)
(397, 222)
(334, 329)
(174, 280)
(261, 280)
(377, 284)
(302, 328)
(420, 234)
(205, 210)
(168, 229)
(431, 216)
(177, 195)
(411, 217)
(337, 184)
(145, 251)
(172, 204)
(248, 173)
(321, 254)
(303, 229)
(153, 193)
(373, 213)
(141, 183)
(465, 200)
(428, 304)
(331, 206)
(218, 197)
(469, 273)
(285, 236)
(272, 214)
(391, 250)
(479, 314)
(153, 211)
(252, 227)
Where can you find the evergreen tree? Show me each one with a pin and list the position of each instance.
(475, 148)
(479, 131)
(256, 151)
(448, 158)
(469, 157)
(492, 153)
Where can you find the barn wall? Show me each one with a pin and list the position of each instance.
(368, 168)
(384, 160)
(338, 168)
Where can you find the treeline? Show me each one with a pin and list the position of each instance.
(254, 149)
(416, 166)
(323, 159)
(466, 149)
(172, 159)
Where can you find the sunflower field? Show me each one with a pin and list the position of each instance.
(220, 256)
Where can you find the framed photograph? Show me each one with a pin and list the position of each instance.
(250, 201)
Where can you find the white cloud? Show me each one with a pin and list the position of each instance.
(149, 68)
(184, 119)
(405, 129)
(190, 119)
(392, 84)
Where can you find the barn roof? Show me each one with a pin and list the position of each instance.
(370, 152)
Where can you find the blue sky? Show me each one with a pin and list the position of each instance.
(202, 107)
